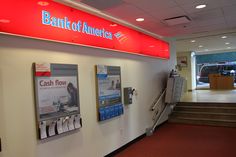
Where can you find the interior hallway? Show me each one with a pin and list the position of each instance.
(178, 140)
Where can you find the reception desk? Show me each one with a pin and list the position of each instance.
(218, 81)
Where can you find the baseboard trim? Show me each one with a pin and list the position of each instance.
(117, 151)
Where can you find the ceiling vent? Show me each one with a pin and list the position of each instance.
(177, 20)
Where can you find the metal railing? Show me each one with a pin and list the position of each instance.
(157, 114)
(173, 93)
(157, 100)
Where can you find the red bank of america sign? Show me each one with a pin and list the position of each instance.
(53, 21)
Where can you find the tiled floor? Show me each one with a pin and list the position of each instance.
(210, 96)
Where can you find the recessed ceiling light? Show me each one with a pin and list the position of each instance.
(228, 47)
(200, 6)
(43, 3)
(223, 37)
(227, 43)
(200, 46)
(193, 41)
(140, 19)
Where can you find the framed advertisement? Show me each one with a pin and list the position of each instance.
(57, 98)
(182, 61)
(109, 98)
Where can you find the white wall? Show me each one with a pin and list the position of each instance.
(95, 139)
(187, 71)
(193, 70)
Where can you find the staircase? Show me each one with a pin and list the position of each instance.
(214, 114)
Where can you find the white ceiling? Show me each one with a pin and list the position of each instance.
(210, 43)
(219, 15)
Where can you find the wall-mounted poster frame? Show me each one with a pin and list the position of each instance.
(56, 99)
(108, 87)
(182, 61)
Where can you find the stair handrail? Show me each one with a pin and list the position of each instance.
(171, 99)
(158, 113)
(157, 100)
(158, 117)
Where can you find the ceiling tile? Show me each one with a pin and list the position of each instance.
(231, 21)
(163, 14)
(152, 25)
(206, 22)
(102, 4)
(211, 4)
(152, 4)
(207, 14)
(170, 31)
(181, 2)
(229, 14)
(218, 26)
(228, 2)
(229, 10)
(125, 11)
(205, 18)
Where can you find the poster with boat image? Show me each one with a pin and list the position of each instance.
(109, 102)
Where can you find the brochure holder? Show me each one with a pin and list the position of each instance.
(109, 102)
(57, 99)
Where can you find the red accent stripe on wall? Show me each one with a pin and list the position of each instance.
(43, 74)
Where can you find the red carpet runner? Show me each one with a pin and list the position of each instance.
(177, 140)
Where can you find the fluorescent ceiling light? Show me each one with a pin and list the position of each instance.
(228, 47)
(200, 46)
(200, 6)
(140, 19)
(223, 37)
(227, 43)
(193, 41)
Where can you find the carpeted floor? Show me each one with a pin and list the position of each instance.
(177, 140)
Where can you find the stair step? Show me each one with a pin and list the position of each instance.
(212, 113)
(204, 115)
(215, 114)
(210, 104)
(225, 123)
(205, 109)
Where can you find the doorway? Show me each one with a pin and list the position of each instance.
(221, 64)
